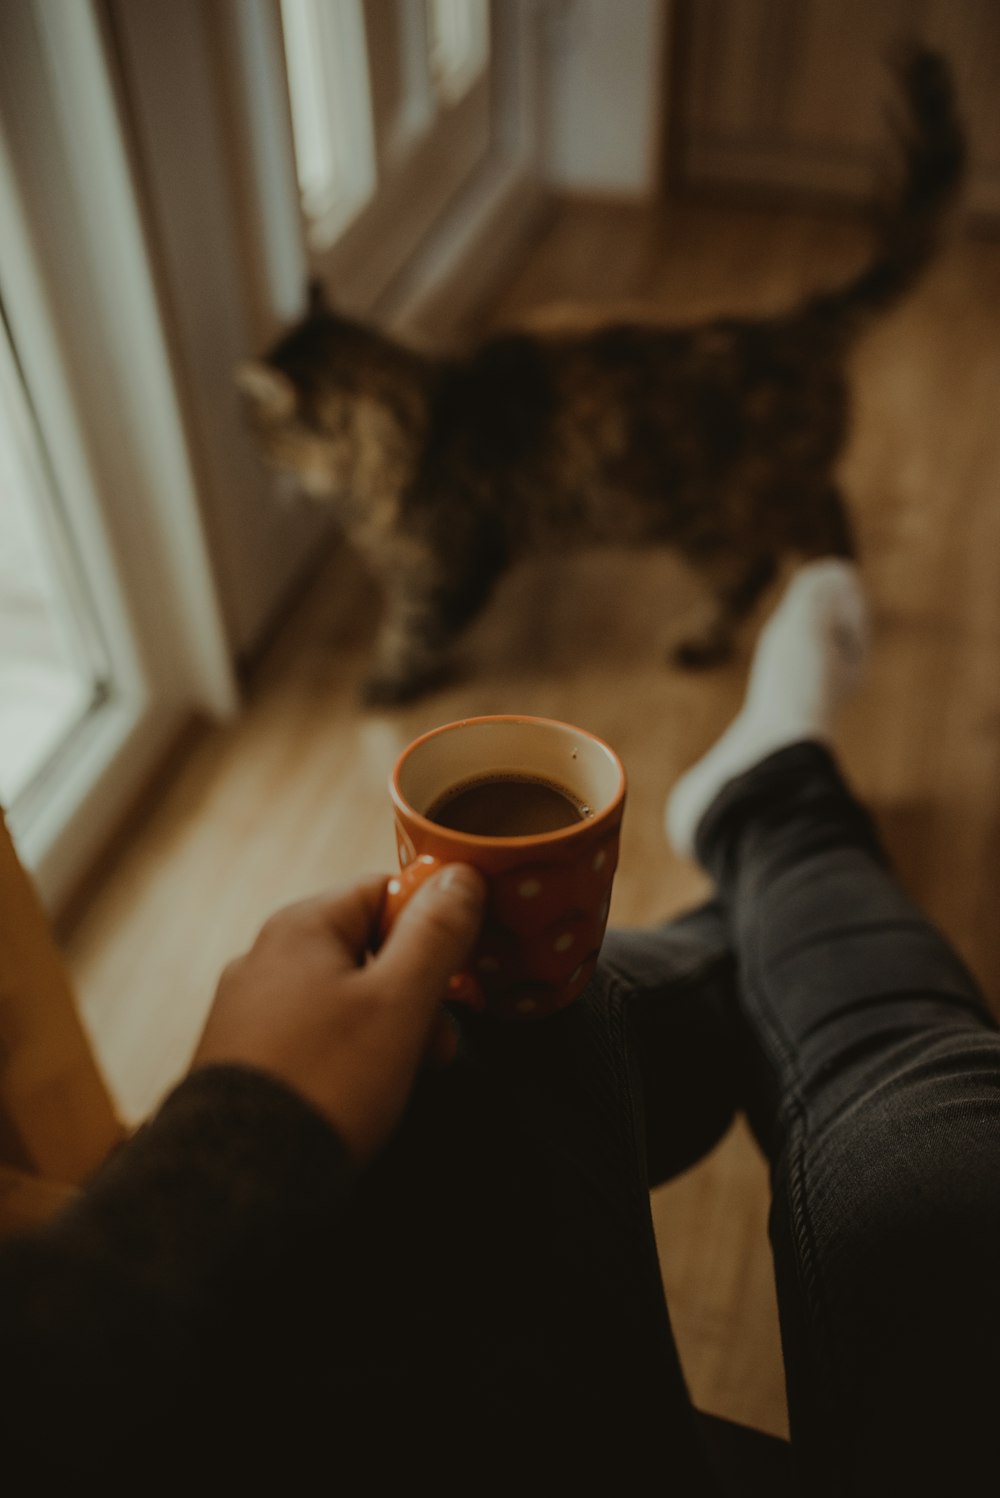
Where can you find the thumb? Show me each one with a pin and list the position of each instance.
(433, 934)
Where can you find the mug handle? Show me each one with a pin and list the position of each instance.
(463, 988)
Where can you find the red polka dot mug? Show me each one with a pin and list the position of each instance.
(548, 891)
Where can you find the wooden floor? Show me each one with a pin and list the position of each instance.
(292, 798)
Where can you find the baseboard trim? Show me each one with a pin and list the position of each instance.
(465, 261)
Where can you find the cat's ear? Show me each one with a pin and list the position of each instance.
(271, 392)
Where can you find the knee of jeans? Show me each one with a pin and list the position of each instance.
(905, 1183)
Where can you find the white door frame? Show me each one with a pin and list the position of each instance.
(83, 309)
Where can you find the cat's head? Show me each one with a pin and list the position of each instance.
(332, 404)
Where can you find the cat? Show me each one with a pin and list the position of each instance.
(718, 440)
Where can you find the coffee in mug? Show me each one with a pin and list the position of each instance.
(508, 805)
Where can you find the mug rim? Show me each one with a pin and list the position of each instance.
(481, 840)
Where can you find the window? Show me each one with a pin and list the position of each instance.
(458, 44)
(327, 66)
(52, 664)
(390, 112)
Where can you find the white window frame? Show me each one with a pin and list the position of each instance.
(416, 107)
(331, 121)
(459, 50)
(87, 327)
(425, 152)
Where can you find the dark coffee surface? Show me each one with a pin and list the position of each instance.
(507, 806)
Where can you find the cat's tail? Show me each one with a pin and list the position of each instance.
(910, 226)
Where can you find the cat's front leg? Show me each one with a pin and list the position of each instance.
(434, 586)
(412, 648)
(402, 673)
(735, 584)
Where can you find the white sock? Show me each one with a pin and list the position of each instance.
(809, 658)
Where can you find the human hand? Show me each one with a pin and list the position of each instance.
(309, 1004)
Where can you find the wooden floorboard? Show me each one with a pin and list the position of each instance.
(292, 798)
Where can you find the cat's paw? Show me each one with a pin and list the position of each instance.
(702, 652)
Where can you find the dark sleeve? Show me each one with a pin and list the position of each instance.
(159, 1320)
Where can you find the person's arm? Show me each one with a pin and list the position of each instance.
(153, 1324)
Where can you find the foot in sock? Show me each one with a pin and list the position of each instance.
(809, 659)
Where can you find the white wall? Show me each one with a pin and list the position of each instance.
(603, 113)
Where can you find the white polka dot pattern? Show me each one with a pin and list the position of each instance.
(543, 930)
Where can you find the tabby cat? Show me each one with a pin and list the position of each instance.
(718, 440)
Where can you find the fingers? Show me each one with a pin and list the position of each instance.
(350, 917)
(354, 915)
(432, 936)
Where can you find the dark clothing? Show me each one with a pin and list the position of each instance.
(876, 1095)
(482, 1307)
